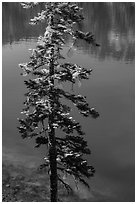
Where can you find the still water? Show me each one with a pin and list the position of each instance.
(110, 90)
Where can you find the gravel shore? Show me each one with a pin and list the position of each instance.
(22, 184)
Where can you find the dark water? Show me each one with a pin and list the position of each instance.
(110, 90)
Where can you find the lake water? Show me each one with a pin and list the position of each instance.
(110, 89)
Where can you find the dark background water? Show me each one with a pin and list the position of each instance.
(110, 90)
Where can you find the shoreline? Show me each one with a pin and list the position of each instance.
(22, 184)
(23, 181)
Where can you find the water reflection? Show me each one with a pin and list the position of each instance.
(113, 26)
(112, 23)
(15, 23)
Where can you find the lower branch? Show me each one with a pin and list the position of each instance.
(67, 186)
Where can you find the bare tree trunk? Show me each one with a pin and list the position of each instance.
(53, 163)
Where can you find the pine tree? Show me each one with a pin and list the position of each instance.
(45, 112)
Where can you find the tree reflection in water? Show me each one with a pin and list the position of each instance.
(112, 23)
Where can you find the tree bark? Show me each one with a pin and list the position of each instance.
(53, 162)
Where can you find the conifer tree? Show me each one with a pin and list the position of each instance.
(45, 112)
